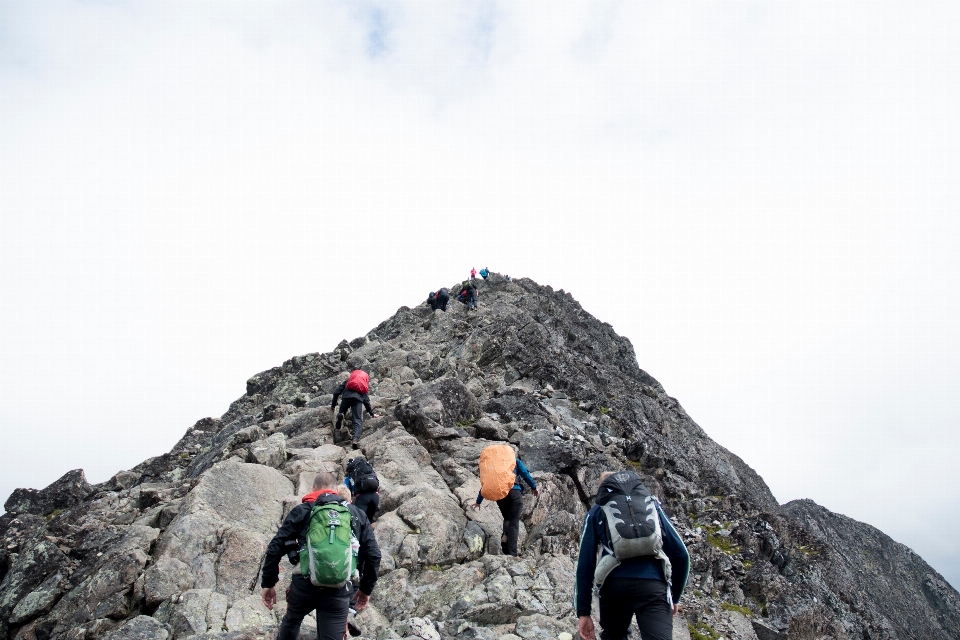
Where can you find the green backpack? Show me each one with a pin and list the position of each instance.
(329, 557)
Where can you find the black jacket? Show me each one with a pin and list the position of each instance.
(351, 394)
(294, 529)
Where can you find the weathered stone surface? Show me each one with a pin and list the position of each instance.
(230, 495)
(248, 612)
(67, 491)
(40, 600)
(140, 628)
(530, 367)
(167, 577)
(437, 409)
(271, 452)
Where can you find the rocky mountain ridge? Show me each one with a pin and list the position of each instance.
(172, 548)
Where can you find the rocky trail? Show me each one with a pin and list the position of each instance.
(172, 548)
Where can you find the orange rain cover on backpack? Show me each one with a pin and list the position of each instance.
(359, 381)
(497, 471)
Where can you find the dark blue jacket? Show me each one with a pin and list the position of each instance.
(521, 472)
(596, 536)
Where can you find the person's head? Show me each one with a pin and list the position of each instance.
(604, 476)
(344, 493)
(325, 480)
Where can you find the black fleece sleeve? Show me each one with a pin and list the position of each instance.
(368, 560)
(366, 403)
(276, 550)
(337, 393)
(677, 552)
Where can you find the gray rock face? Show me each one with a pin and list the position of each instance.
(70, 489)
(173, 547)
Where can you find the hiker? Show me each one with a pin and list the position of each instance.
(354, 392)
(319, 532)
(362, 481)
(507, 277)
(473, 273)
(500, 474)
(439, 299)
(640, 572)
(484, 273)
(468, 295)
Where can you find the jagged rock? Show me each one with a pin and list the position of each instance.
(167, 577)
(182, 535)
(67, 491)
(139, 628)
(40, 600)
(271, 452)
(106, 593)
(248, 612)
(438, 409)
(540, 627)
(29, 571)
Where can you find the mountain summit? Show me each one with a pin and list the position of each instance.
(173, 547)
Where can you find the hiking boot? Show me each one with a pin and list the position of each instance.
(352, 627)
(356, 444)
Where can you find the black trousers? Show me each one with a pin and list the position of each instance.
(442, 301)
(331, 605)
(511, 507)
(356, 407)
(623, 598)
(368, 503)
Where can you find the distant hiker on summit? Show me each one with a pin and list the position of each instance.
(439, 299)
(354, 392)
(484, 273)
(473, 273)
(642, 567)
(500, 474)
(331, 541)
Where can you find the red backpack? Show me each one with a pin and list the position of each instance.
(359, 381)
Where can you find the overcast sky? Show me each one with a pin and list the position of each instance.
(762, 196)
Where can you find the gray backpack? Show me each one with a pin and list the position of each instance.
(633, 524)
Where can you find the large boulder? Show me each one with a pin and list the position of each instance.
(140, 628)
(67, 491)
(167, 577)
(271, 451)
(225, 523)
(28, 573)
(438, 409)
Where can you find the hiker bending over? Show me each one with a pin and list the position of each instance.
(641, 571)
(362, 481)
(319, 534)
(500, 475)
(484, 273)
(354, 392)
(468, 295)
(439, 299)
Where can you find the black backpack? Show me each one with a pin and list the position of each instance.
(364, 477)
(633, 523)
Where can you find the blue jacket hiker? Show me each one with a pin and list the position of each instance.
(511, 507)
(647, 574)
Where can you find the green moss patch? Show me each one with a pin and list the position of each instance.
(702, 631)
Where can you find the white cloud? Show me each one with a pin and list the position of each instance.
(760, 195)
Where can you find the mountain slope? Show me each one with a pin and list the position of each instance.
(172, 548)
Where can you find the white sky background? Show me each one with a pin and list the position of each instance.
(762, 196)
